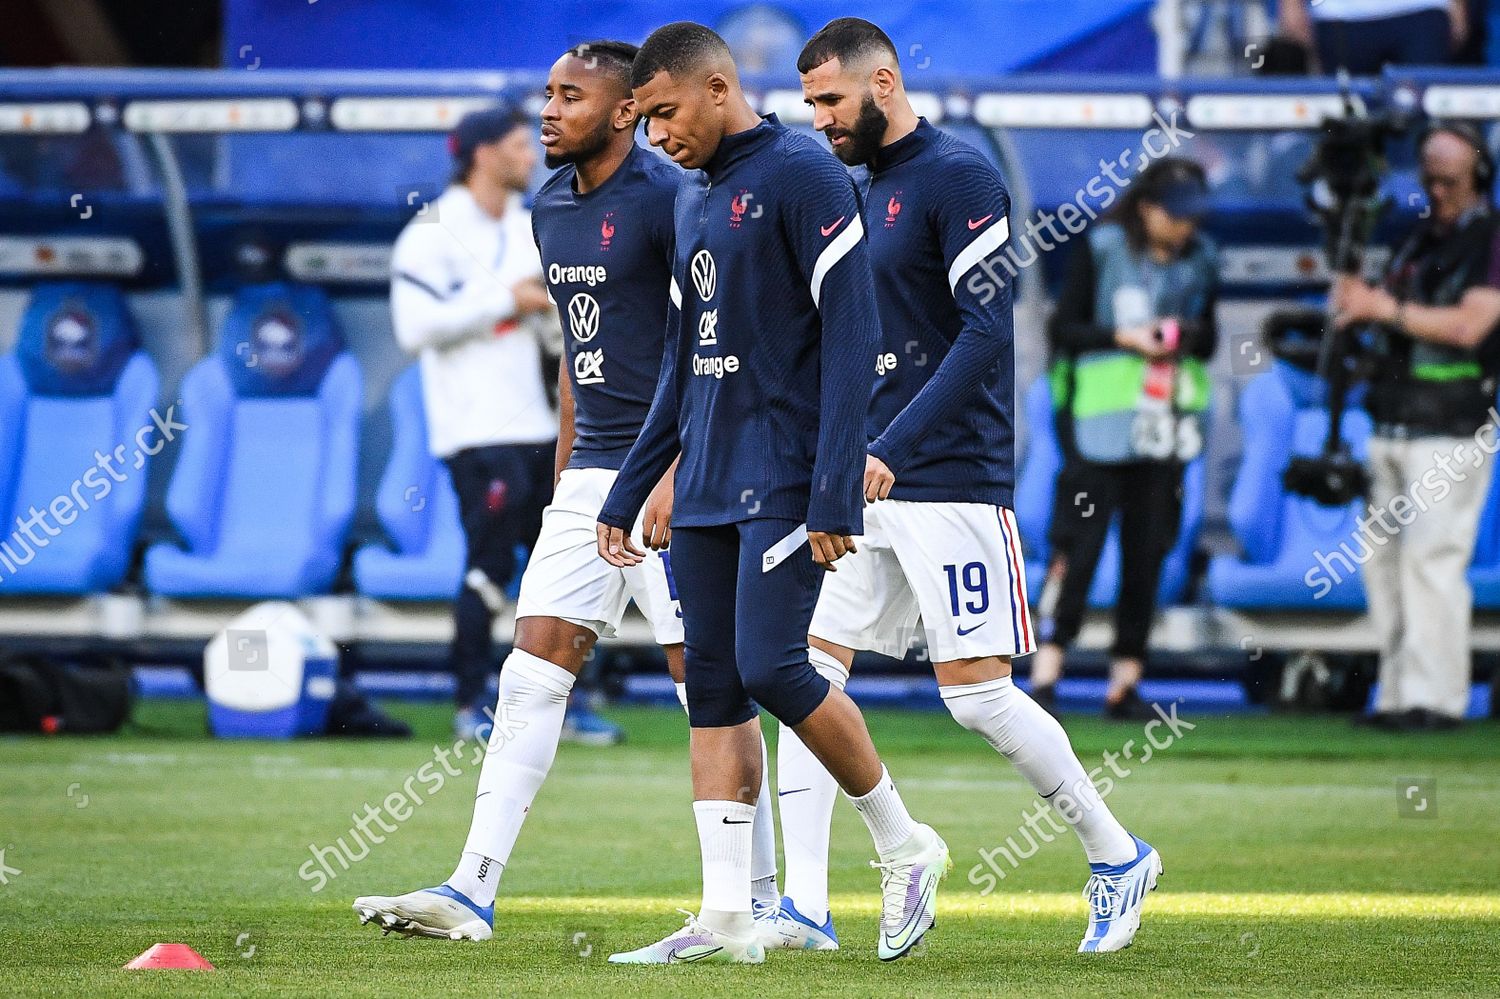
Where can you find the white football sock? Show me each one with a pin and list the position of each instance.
(805, 794)
(724, 834)
(763, 842)
(1032, 739)
(528, 723)
(886, 815)
(763, 851)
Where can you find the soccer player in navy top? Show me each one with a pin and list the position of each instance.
(764, 390)
(940, 541)
(603, 225)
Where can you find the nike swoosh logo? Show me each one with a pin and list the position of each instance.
(742, 822)
(966, 631)
(690, 955)
(972, 223)
(799, 790)
(827, 229)
(1056, 789)
(903, 936)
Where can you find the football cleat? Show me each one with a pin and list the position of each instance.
(472, 725)
(585, 727)
(1115, 895)
(787, 929)
(765, 913)
(439, 912)
(692, 944)
(909, 884)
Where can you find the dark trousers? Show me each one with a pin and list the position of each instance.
(745, 627)
(1148, 497)
(1366, 47)
(502, 490)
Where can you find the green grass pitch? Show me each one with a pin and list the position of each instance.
(1290, 867)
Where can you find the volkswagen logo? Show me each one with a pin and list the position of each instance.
(583, 316)
(705, 275)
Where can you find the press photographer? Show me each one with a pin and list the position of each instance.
(1435, 357)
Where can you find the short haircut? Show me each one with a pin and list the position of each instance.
(611, 57)
(676, 49)
(847, 39)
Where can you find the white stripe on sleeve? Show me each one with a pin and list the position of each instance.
(984, 244)
(833, 253)
(675, 292)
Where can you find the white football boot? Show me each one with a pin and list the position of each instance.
(1116, 895)
(692, 944)
(438, 912)
(909, 885)
(785, 928)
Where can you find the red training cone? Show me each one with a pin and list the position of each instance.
(170, 955)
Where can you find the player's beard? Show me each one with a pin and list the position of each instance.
(864, 137)
(591, 147)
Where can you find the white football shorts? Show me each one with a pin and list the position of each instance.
(566, 578)
(956, 567)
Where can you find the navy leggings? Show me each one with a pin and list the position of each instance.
(745, 625)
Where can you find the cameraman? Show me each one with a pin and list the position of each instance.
(1435, 315)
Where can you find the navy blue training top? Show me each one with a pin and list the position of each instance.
(942, 414)
(607, 260)
(772, 354)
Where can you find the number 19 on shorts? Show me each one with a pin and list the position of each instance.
(975, 583)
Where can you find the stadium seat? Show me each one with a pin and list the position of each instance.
(418, 509)
(1484, 572)
(1281, 535)
(1034, 492)
(76, 438)
(264, 489)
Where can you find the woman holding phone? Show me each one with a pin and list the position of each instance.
(1132, 332)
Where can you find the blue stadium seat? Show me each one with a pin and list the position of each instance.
(1484, 572)
(417, 508)
(264, 489)
(76, 438)
(1281, 535)
(1034, 492)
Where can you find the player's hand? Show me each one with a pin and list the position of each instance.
(656, 529)
(829, 548)
(531, 296)
(616, 548)
(878, 479)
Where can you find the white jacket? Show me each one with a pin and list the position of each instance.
(451, 275)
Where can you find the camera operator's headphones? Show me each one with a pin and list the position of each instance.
(1484, 160)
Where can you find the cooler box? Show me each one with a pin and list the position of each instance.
(269, 675)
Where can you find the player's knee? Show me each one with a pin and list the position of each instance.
(966, 712)
(717, 708)
(828, 667)
(560, 642)
(977, 706)
(789, 690)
